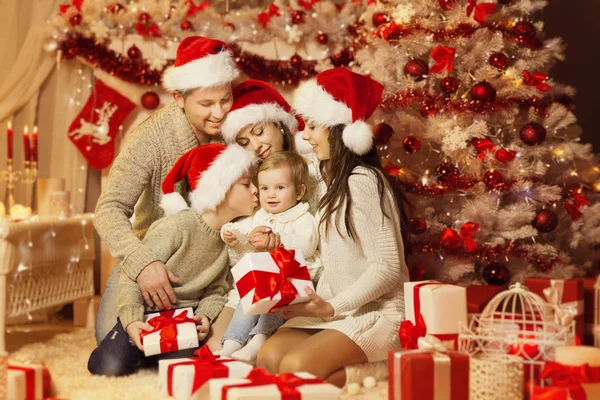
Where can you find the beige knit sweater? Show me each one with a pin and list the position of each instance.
(137, 174)
(196, 255)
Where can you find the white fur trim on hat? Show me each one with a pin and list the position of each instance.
(319, 106)
(172, 203)
(216, 181)
(358, 137)
(252, 114)
(208, 71)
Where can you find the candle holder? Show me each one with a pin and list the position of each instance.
(11, 176)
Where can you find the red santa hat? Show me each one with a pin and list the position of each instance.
(340, 96)
(211, 170)
(257, 101)
(200, 62)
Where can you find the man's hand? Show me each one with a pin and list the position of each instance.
(202, 326)
(155, 283)
(229, 237)
(262, 238)
(134, 330)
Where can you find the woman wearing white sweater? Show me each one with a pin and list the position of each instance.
(355, 313)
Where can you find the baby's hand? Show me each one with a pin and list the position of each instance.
(134, 330)
(229, 237)
(262, 238)
(202, 326)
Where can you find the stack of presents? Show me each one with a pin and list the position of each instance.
(537, 340)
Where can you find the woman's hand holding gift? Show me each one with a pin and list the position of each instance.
(315, 307)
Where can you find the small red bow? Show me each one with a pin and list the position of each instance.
(166, 323)
(573, 207)
(444, 59)
(452, 239)
(567, 377)
(390, 31)
(410, 333)
(287, 383)
(536, 79)
(265, 15)
(194, 9)
(65, 7)
(308, 5)
(486, 145)
(481, 10)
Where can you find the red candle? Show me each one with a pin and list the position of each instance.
(26, 145)
(9, 133)
(34, 144)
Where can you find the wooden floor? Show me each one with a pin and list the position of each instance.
(18, 335)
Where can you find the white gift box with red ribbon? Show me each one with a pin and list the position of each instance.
(265, 280)
(27, 381)
(174, 330)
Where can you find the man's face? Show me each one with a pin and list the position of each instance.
(206, 108)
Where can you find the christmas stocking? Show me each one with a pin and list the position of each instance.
(93, 131)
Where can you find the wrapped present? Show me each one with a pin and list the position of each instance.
(577, 382)
(567, 298)
(269, 280)
(431, 372)
(187, 378)
(259, 385)
(591, 289)
(28, 381)
(478, 296)
(433, 308)
(173, 330)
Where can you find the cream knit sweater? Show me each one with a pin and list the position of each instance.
(137, 174)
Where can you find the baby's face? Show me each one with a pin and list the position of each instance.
(277, 191)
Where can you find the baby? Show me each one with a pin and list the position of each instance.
(282, 181)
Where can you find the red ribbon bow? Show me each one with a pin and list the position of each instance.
(567, 377)
(410, 333)
(452, 239)
(573, 208)
(444, 59)
(65, 7)
(166, 323)
(486, 145)
(267, 284)
(308, 5)
(286, 383)
(265, 15)
(194, 9)
(147, 29)
(536, 79)
(481, 10)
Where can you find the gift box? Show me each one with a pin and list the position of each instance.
(259, 385)
(268, 280)
(28, 381)
(566, 295)
(591, 315)
(478, 296)
(427, 374)
(443, 308)
(187, 378)
(173, 330)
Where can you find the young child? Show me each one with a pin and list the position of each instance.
(187, 241)
(282, 185)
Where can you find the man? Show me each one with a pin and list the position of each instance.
(201, 83)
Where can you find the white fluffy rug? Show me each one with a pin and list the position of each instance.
(66, 356)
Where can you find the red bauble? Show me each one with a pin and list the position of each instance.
(428, 108)
(150, 100)
(532, 133)
(417, 69)
(545, 221)
(498, 60)
(298, 17)
(322, 38)
(446, 173)
(353, 28)
(447, 4)
(296, 61)
(496, 274)
(411, 144)
(483, 91)
(145, 18)
(382, 132)
(417, 226)
(75, 19)
(115, 8)
(380, 18)
(524, 33)
(449, 85)
(185, 25)
(494, 180)
(134, 52)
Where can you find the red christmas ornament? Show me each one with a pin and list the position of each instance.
(134, 52)
(322, 38)
(498, 60)
(496, 274)
(298, 17)
(380, 18)
(494, 180)
(525, 33)
(75, 19)
(417, 69)
(447, 4)
(417, 226)
(545, 221)
(353, 28)
(532, 133)
(446, 173)
(449, 85)
(185, 25)
(542, 265)
(150, 100)
(296, 61)
(483, 91)
(382, 132)
(428, 108)
(411, 144)
(144, 18)
(115, 8)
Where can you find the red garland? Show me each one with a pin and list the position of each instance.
(435, 189)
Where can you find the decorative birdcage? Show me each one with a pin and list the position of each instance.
(520, 323)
